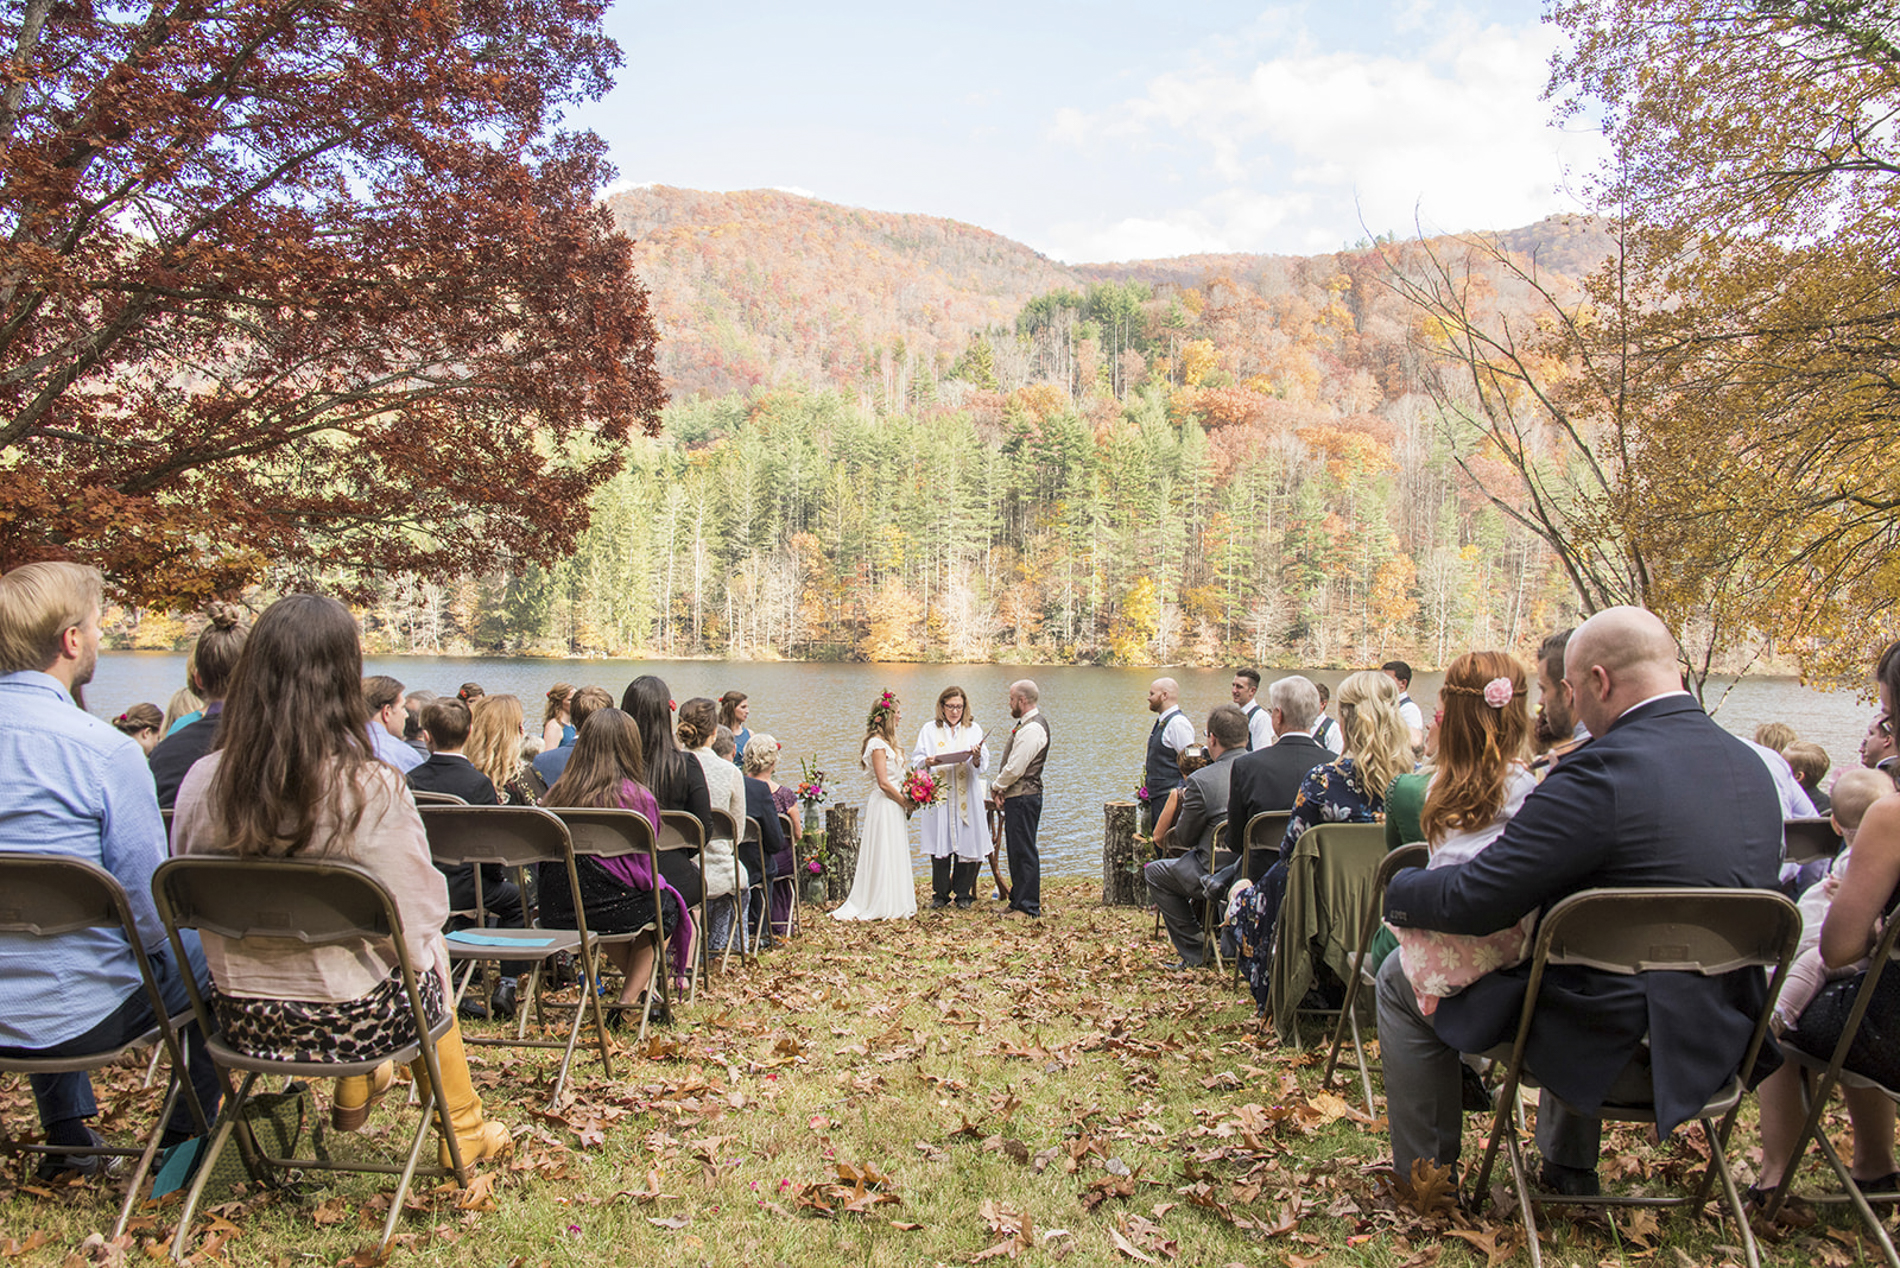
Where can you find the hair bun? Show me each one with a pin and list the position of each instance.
(224, 616)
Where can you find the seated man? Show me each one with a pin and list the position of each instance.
(445, 727)
(74, 787)
(1269, 778)
(387, 717)
(1612, 813)
(1176, 882)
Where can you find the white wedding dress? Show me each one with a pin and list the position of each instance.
(884, 887)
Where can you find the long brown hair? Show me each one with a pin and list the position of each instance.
(606, 754)
(698, 721)
(558, 696)
(295, 732)
(1477, 742)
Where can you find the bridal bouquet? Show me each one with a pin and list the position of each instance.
(921, 788)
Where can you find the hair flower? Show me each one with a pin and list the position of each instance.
(1498, 692)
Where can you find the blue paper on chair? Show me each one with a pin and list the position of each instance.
(476, 938)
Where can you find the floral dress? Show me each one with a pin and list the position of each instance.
(1334, 793)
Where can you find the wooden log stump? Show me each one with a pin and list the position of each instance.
(841, 834)
(1122, 883)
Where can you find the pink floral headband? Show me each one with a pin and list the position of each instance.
(1497, 693)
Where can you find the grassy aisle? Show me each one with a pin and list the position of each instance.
(960, 1088)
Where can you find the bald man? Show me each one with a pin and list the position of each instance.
(1662, 796)
(1173, 733)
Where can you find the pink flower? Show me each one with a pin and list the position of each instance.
(1498, 692)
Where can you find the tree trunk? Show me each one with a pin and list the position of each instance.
(1122, 885)
(841, 834)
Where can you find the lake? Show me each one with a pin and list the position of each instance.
(1099, 719)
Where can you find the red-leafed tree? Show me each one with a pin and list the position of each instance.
(294, 289)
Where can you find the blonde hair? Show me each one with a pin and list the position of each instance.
(1855, 792)
(1377, 738)
(761, 754)
(38, 604)
(494, 738)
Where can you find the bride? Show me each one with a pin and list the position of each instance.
(883, 888)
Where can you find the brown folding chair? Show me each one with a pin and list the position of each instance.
(317, 904)
(1817, 1085)
(1336, 858)
(681, 831)
(1212, 905)
(1805, 840)
(518, 837)
(606, 834)
(795, 880)
(43, 896)
(724, 825)
(424, 798)
(1365, 974)
(755, 835)
(1259, 851)
(1631, 931)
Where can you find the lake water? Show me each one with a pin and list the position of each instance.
(1099, 719)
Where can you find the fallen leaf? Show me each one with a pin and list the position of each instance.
(13, 1248)
(330, 1211)
(673, 1222)
(1127, 1248)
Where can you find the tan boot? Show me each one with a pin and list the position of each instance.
(357, 1095)
(479, 1140)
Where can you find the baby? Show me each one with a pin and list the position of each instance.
(1854, 792)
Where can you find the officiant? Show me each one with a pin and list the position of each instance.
(956, 830)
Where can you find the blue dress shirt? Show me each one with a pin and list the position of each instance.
(72, 785)
(392, 750)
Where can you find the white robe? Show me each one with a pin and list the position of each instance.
(954, 826)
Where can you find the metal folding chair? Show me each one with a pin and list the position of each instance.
(1363, 973)
(317, 904)
(43, 896)
(1818, 1081)
(606, 834)
(518, 837)
(1630, 931)
(1328, 858)
(795, 880)
(1806, 840)
(724, 825)
(681, 831)
(1259, 851)
(436, 798)
(1218, 856)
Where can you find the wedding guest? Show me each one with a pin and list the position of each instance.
(494, 745)
(469, 693)
(1018, 790)
(1877, 748)
(1325, 728)
(719, 865)
(185, 706)
(675, 779)
(768, 857)
(734, 708)
(761, 764)
(295, 777)
(382, 696)
(1810, 764)
(618, 895)
(142, 723)
(1245, 687)
(212, 661)
(412, 705)
(71, 786)
(1557, 730)
(1172, 733)
(1175, 882)
(1269, 779)
(557, 724)
(1856, 793)
(1775, 735)
(1193, 758)
(549, 763)
(1401, 673)
(955, 830)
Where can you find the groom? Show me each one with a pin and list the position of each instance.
(1017, 789)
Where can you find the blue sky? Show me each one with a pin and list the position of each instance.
(1110, 130)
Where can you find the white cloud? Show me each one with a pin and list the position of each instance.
(795, 190)
(1296, 151)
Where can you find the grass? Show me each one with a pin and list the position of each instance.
(959, 1088)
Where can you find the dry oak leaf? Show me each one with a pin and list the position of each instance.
(13, 1248)
(1433, 1189)
(1498, 1244)
(330, 1211)
(1128, 1248)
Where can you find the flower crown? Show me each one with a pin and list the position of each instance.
(886, 703)
(1497, 693)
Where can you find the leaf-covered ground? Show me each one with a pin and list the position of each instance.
(963, 1088)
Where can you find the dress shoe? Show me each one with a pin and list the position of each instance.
(473, 1009)
(938, 904)
(1474, 1096)
(1185, 965)
(66, 1166)
(503, 1003)
(964, 904)
(1570, 1182)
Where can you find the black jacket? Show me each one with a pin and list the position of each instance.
(1269, 778)
(455, 775)
(177, 752)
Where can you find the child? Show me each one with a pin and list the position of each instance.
(1854, 792)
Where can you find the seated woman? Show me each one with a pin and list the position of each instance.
(761, 763)
(557, 723)
(494, 746)
(142, 723)
(1350, 789)
(676, 781)
(725, 790)
(619, 895)
(294, 776)
(1869, 893)
(1194, 757)
(1480, 781)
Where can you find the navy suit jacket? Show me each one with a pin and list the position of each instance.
(1665, 797)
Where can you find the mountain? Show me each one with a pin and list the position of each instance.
(766, 288)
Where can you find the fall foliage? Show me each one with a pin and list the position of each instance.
(292, 291)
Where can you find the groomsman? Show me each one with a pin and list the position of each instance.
(1173, 733)
(1259, 720)
(1017, 788)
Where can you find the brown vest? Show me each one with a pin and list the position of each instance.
(1031, 782)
